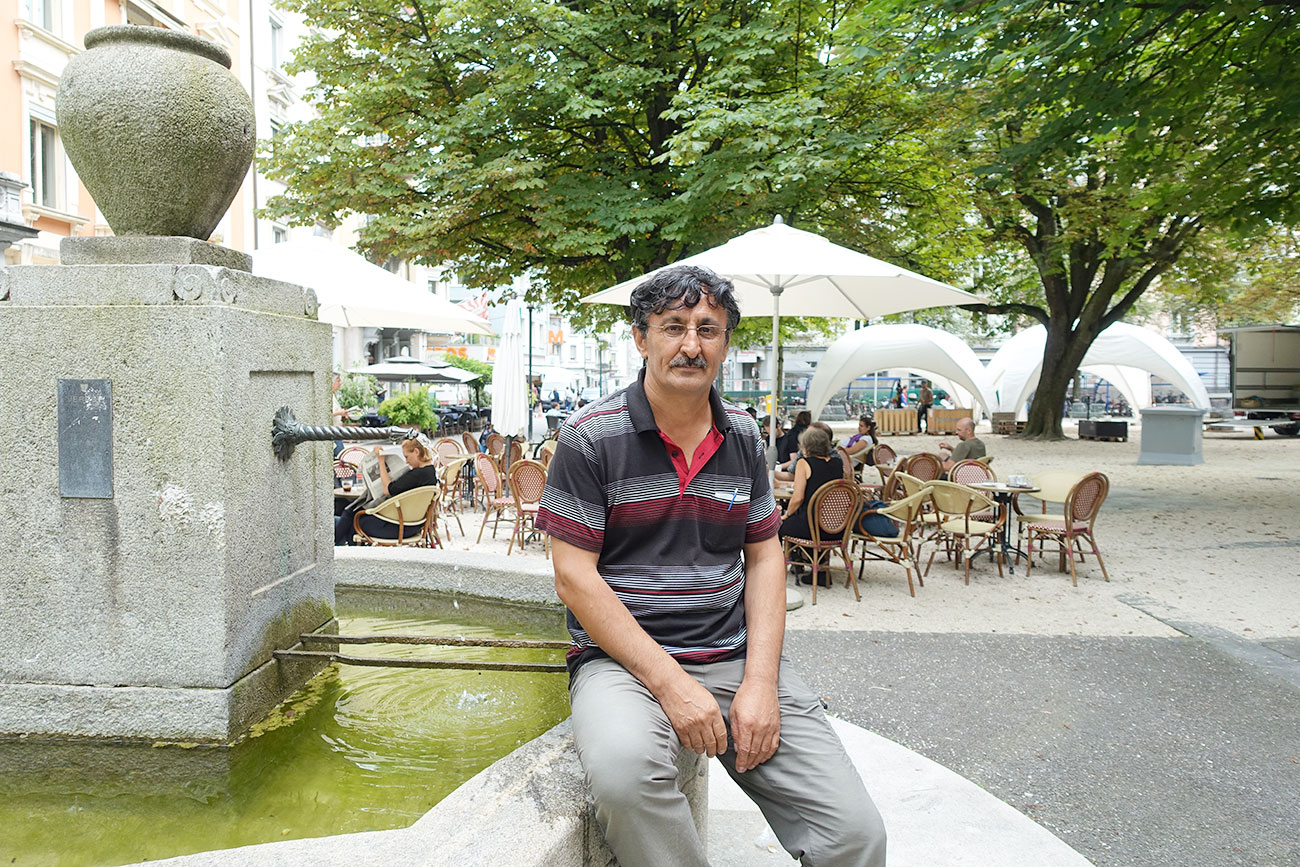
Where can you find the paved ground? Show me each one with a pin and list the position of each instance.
(1138, 752)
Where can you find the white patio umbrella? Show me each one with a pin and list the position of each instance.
(509, 394)
(353, 292)
(393, 370)
(825, 279)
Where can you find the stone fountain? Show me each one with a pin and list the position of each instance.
(159, 552)
(161, 547)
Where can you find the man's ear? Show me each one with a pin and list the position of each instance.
(638, 337)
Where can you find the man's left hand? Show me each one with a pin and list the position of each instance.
(755, 724)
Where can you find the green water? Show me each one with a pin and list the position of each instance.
(357, 749)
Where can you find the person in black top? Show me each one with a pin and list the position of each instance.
(789, 444)
(422, 473)
(818, 464)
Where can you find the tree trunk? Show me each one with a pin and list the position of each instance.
(1049, 403)
(1053, 382)
(1062, 355)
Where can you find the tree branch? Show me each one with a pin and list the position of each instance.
(1001, 309)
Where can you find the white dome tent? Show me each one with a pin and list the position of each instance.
(949, 362)
(1124, 355)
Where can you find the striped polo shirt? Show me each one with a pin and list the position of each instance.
(670, 541)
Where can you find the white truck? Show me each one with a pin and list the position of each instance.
(1264, 367)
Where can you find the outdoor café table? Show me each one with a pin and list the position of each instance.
(1002, 494)
(345, 494)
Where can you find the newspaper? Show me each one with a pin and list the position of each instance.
(369, 470)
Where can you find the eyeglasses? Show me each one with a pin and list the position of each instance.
(705, 333)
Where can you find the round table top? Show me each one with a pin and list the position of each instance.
(1004, 487)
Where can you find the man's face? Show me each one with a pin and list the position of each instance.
(965, 430)
(685, 364)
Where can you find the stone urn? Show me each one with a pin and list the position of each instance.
(158, 128)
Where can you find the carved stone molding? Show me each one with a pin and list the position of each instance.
(194, 282)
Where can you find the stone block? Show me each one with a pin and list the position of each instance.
(211, 553)
(150, 250)
(1171, 435)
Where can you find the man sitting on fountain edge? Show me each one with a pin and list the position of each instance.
(666, 555)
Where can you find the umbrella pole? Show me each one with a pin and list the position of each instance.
(776, 365)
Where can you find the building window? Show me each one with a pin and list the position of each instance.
(279, 235)
(40, 13)
(139, 16)
(45, 165)
(573, 352)
(277, 44)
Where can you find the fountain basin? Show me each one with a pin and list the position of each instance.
(358, 749)
(529, 809)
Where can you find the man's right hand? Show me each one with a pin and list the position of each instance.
(692, 711)
(694, 715)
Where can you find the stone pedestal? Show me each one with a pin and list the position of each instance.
(1171, 435)
(157, 550)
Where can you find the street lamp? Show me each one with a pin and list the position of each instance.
(600, 365)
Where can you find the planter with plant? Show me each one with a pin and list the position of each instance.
(411, 409)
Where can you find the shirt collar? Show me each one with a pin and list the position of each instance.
(643, 417)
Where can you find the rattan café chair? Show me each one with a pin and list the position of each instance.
(925, 466)
(495, 501)
(831, 512)
(957, 506)
(1081, 507)
(527, 481)
(901, 549)
(971, 472)
(415, 512)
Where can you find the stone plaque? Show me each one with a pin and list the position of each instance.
(86, 438)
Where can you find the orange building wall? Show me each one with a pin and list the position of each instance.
(11, 112)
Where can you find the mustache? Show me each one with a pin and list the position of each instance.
(686, 361)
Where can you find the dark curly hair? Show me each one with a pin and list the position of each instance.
(681, 286)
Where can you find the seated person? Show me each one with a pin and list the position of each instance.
(785, 472)
(787, 447)
(817, 464)
(422, 472)
(970, 446)
(859, 445)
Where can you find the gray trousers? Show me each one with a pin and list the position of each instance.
(809, 791)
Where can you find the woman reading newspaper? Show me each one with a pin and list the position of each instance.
(419, 472)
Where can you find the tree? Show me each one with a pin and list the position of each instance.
(584, 143)
(484, 369)
(358, 389)
(1230, 282)
(1101, 139)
